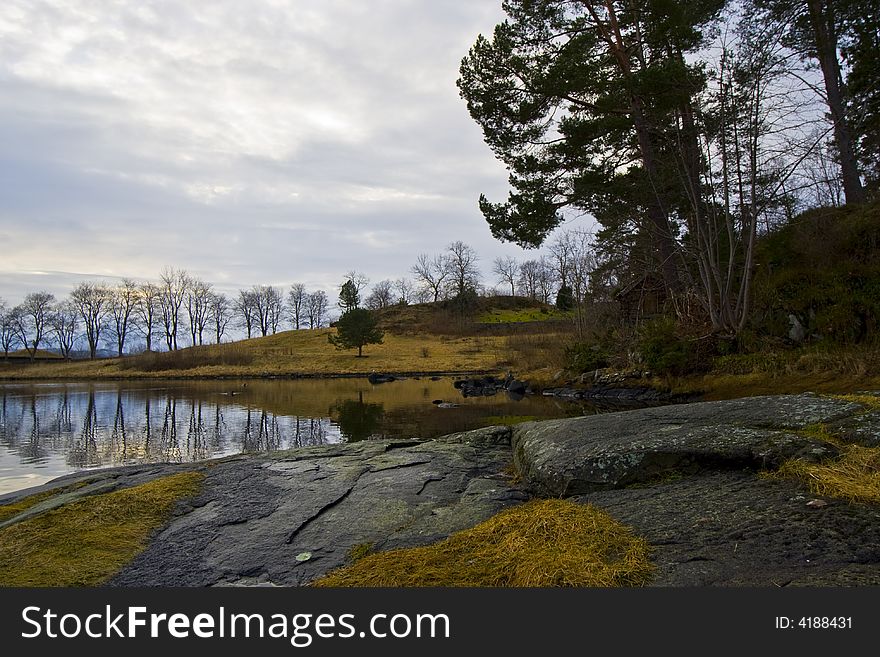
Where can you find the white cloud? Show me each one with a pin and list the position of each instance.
(259, 142)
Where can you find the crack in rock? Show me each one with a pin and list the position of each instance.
(322, 510)
(399, 466)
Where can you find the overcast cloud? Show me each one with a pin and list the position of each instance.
(260, 142)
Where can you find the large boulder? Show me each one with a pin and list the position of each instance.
(613, 450)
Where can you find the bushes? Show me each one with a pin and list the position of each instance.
(585, 357)
(664, 348)
(824, 269)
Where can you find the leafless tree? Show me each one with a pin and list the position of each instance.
(275, 306)
(268, 305)
(431, 275)
(404, 289)
(198, 300)
(560, 253)
(528, 278)
(64, 322)
(173, 285)
(93, 302)
(581, 262)
(735, 173)
(123, 302)
(245, 308)
(360, 281)
(147, 309)
(296, 302)
(546, 280)
(316, 308)
(32, 320)
(381, 296)
(507, 270)
(461, 260)
(8, 334)
(219, 314)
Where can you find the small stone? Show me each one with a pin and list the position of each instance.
(817, 504)
(304, 556)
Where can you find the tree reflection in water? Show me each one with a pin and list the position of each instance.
(93, 427)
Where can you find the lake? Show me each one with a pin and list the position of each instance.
(51, 429)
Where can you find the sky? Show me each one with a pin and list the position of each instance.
(259, 142)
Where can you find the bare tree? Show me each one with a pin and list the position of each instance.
(123, 301)
(579, 267)
(381, 296)
(32, 320)
(173, 285)
(268, 306)
(528, 278)
(275, 307)
(198, 299)
(461, 260)
(245, 308)
(64, 323)
(360, 281)
(8, 334)
(316, 308)
(147, 308)
(546, 279)
(93, 302)
(507, 270)
(296, 302)
(219, 314)
(404, 289)
(431, 275)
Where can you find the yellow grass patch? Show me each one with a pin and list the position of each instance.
(854, 476)
(8, 511)
(85, 542)
(541, 543)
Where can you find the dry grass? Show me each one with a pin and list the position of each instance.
(871, 401)
(85, 542)
(854, 476)
(305, 352)
(541, 543)
(537, 355)
(8, 511)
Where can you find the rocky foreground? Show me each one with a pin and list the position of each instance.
(685, 477)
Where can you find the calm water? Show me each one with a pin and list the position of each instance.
(51, 429)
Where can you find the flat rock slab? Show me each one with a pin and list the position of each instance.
(578, 455)
(288, 519)
(737, 529)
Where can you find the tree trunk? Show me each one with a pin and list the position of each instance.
(659, 221)
(822, 22)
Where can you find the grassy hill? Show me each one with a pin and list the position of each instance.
(422, 338)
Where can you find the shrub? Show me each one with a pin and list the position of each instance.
(585, 357)
(664, 350)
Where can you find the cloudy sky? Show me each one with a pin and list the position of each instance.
(259, 142)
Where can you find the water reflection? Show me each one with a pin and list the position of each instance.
(99, 428)
(51, 429)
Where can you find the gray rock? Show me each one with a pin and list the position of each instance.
(737, 529)
(863, 429)
(796, 331)
(254, 518)
(572, 456)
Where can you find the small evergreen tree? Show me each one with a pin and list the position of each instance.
(349, 299)
(564, 298)
(356, 328)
